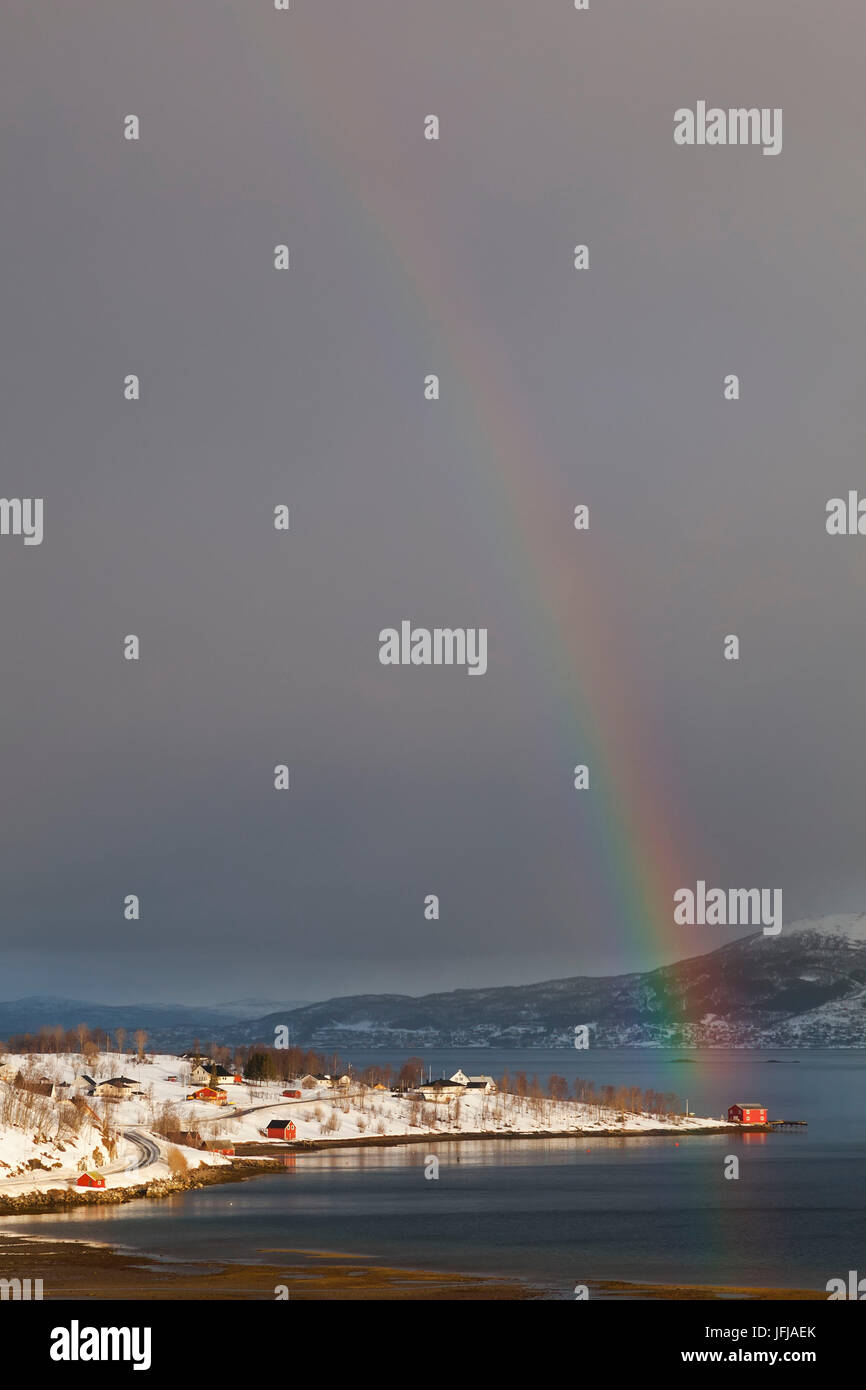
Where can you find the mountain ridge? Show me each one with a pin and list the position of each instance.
(803, 988)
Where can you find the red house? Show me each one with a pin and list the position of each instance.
(294, 1095)
(217, 1096)
(280, 1129)
(90, 1180)
(747, 1113)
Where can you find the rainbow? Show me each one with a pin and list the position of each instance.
(629, 813)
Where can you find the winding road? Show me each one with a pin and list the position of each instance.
(148, 1151)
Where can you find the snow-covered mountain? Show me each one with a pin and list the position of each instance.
(805, 987)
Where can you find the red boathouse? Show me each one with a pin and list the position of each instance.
(280, 1129)
(747, 1113)
(90, 1180)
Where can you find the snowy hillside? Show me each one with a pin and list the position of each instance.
(848, 926)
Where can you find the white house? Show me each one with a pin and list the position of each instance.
(443, 1090)
(476, 1083)
(201, 1075)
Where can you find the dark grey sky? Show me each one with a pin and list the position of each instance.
(305, 387)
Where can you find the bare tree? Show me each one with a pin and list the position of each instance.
(120, 1035)
(411, 1072)
(140, 1040)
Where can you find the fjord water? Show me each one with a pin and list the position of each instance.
(568, 1211)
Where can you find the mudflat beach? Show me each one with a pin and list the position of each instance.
(81, 1270)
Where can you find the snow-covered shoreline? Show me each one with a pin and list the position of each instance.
(153, 1134)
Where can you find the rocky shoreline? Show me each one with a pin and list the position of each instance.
(61, 1198)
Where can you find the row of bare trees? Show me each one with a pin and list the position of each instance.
(629, 1099)
(86, 1041)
